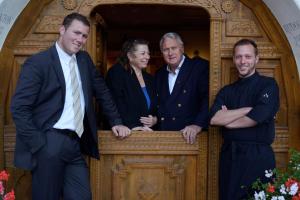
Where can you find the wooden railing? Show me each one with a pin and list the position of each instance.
(155, 165)
(150, 165)
(145, 166)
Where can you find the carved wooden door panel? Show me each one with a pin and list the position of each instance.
(150, 177)
(158, 165)
(96, 44)
(96, 47)
(150, 166)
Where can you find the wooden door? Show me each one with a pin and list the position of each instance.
(150, 166)
(230, 20)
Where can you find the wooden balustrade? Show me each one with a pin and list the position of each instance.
(150, 165)
(146, 165)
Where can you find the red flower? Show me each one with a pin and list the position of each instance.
(271, 188)
(296, 197)
(10, 195)
(290, 182)
(4, 176)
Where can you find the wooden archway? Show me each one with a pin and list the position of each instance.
(230, 20)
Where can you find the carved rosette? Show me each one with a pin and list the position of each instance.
(69, 4)
(228, 6)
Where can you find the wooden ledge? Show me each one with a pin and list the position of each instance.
(156, 142)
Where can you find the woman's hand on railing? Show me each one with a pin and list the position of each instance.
(141, 128)
(148, 121)
(121, 131)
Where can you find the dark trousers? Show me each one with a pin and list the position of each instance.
(240, 165)
(61, 170)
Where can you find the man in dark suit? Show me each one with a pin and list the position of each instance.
(54, 115)
(182, 90)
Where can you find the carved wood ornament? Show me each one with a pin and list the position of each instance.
(188, 171)
(69, 4)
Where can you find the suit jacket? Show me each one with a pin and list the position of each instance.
(188, 102)
(128, 95)
(39, 100)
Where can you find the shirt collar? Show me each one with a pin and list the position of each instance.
(250, 78)
(178, 67)
(63, 56)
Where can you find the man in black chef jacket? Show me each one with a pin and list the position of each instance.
(245, 110)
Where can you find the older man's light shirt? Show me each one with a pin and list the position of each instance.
(173, 75)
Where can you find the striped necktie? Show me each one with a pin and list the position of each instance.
(78, 115)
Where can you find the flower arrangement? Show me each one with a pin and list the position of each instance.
(5, 196)
(283, 185)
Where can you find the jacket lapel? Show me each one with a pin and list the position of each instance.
(138, 90)
(165, 92)
(58, 69)
(149, 85)
(182, 77)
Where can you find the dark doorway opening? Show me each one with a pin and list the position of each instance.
(150, 22)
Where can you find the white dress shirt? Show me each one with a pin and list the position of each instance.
(173, 75)
(66, 120)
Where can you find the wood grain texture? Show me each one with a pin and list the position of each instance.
(132, 166)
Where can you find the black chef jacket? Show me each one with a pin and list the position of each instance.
(246, 152)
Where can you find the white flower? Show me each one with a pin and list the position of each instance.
(297, 167)
(268, 173)
(260, 196)
(282, 189)
(278, 198)
(293, 189)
